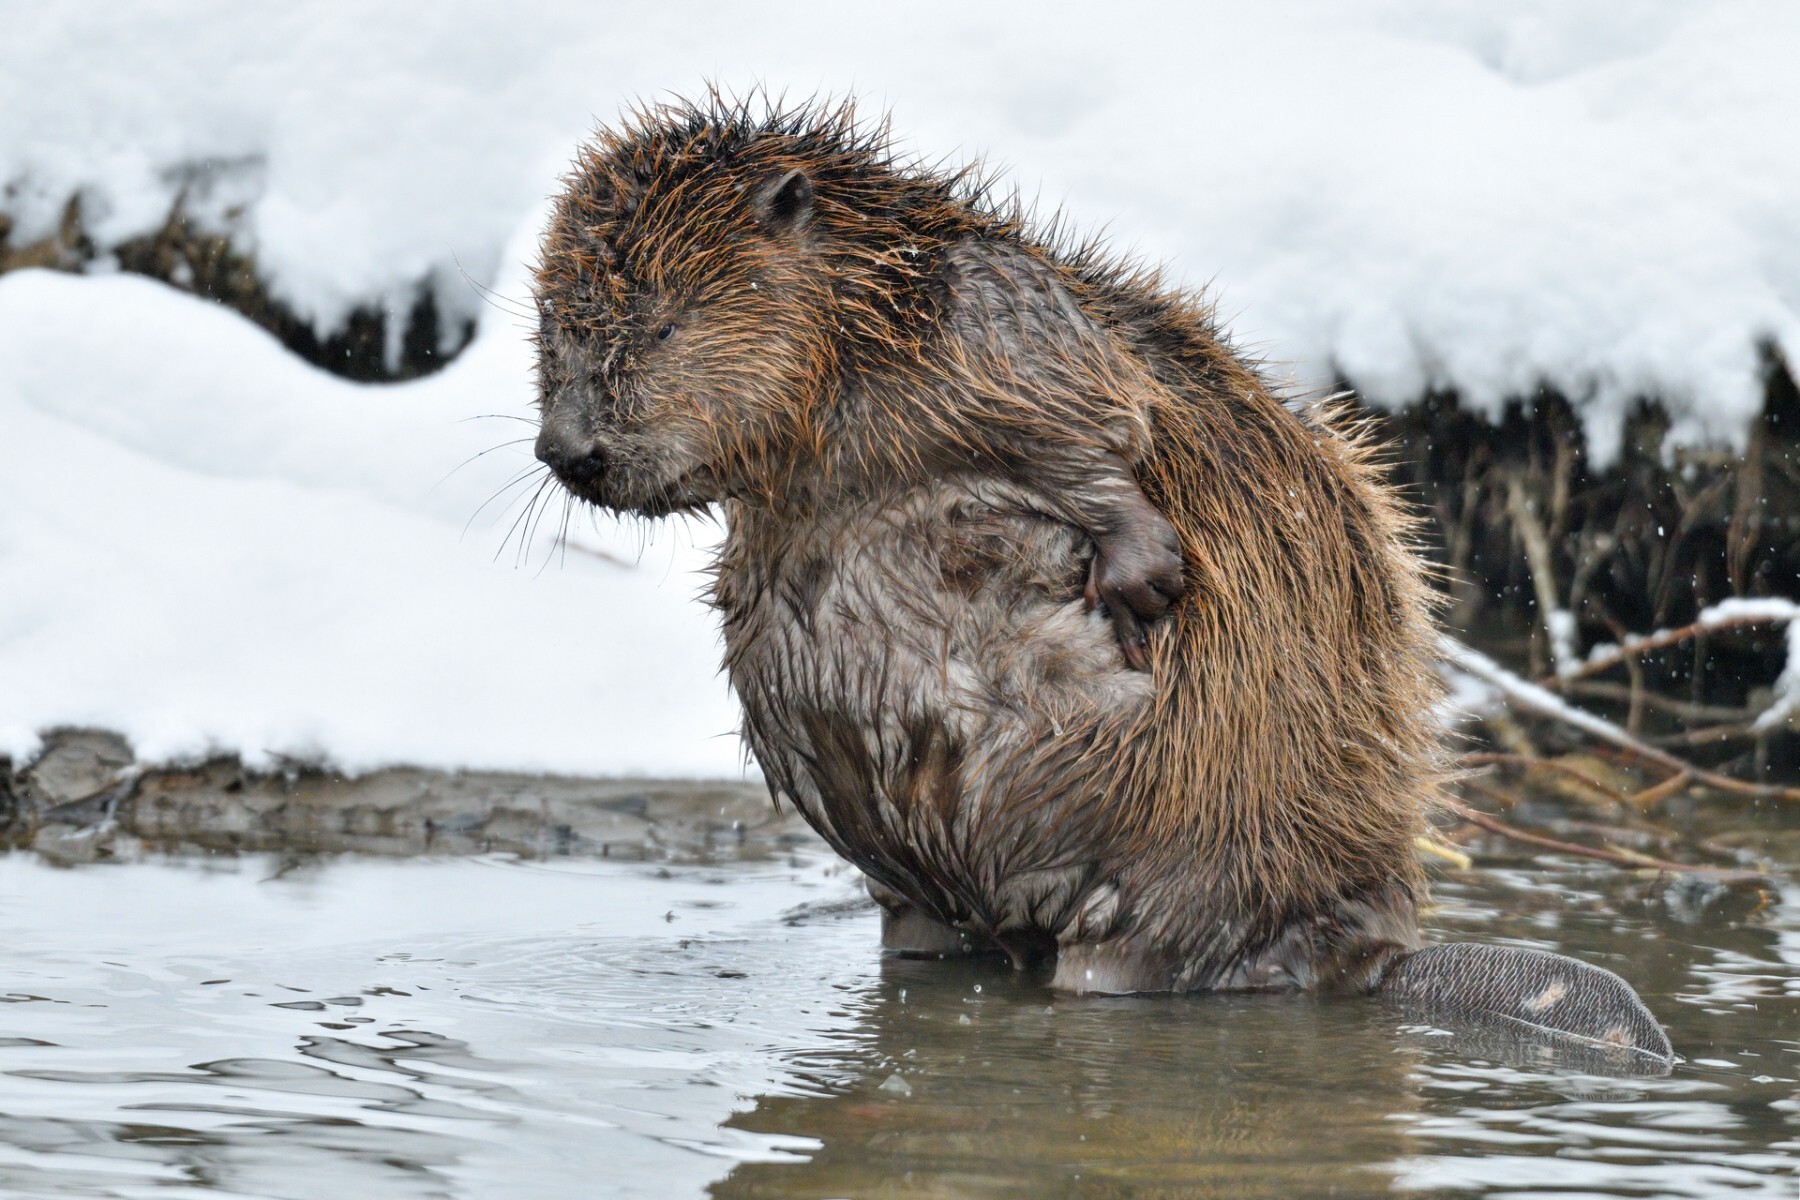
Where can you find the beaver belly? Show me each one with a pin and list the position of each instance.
(918, 678)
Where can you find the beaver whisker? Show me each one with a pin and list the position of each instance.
(524, 475)
(481, 454)
(530, 504)
(493, 298)
(559, 547)
(524, 555)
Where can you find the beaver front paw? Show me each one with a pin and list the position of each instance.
(1137, 575)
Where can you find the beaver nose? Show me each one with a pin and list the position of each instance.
(575, 456)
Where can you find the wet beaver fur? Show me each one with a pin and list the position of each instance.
(1044, 608)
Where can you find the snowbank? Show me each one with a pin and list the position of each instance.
(208, 545)
(1417, 194)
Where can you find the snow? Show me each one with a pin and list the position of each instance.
(1560, 624)
(1482, 671)
(210, 546)
(1737, 610)
(1477, 683)
(1773, 610)
(1466, 698)
(1787, 687)
(1412, 193)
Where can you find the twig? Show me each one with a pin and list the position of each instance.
(1528, 695)
(1652, 796)
(1558, 624)
(1634, 708)
(1437, 848)
(1713, 619)
(1686, 711)
(1530, 761)
(1618, 857)
(1644, 840)
(1712, 735)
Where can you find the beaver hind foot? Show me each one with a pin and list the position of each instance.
(1539, 998)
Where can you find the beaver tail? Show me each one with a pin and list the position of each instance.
(1544, 999)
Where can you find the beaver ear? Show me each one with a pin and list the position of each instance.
(786, 202)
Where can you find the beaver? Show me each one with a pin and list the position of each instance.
(1045, 610)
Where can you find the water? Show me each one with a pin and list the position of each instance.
(351, 1026)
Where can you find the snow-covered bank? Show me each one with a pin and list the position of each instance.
(207, 544)
(1595, 195)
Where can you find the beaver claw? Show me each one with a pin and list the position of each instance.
(1137, 576)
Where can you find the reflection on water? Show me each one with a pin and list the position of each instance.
(489, 1028)
(971, 1087)
(958, 1084)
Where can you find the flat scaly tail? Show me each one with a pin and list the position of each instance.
(1538, 999)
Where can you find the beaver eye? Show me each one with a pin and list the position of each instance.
(662, 335)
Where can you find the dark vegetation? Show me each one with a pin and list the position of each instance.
(190, 254)
(1522, 524)
(1645, 544)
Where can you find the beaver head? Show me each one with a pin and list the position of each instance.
(711, 275)
(686, 332)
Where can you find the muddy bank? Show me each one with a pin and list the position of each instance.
(86, 799)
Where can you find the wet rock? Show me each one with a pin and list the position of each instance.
(69, 845)
(1694, 899)
(76, 765)
(84, 800)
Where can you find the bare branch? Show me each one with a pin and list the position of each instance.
(1559, 624)
(1522, 693)
(1609, 854)
(1738, 614)
(1479, 758)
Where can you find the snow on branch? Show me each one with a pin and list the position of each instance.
(1787, 684)
(1735, 613)
(1523, 694)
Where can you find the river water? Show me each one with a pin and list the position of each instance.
(347, 1026)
